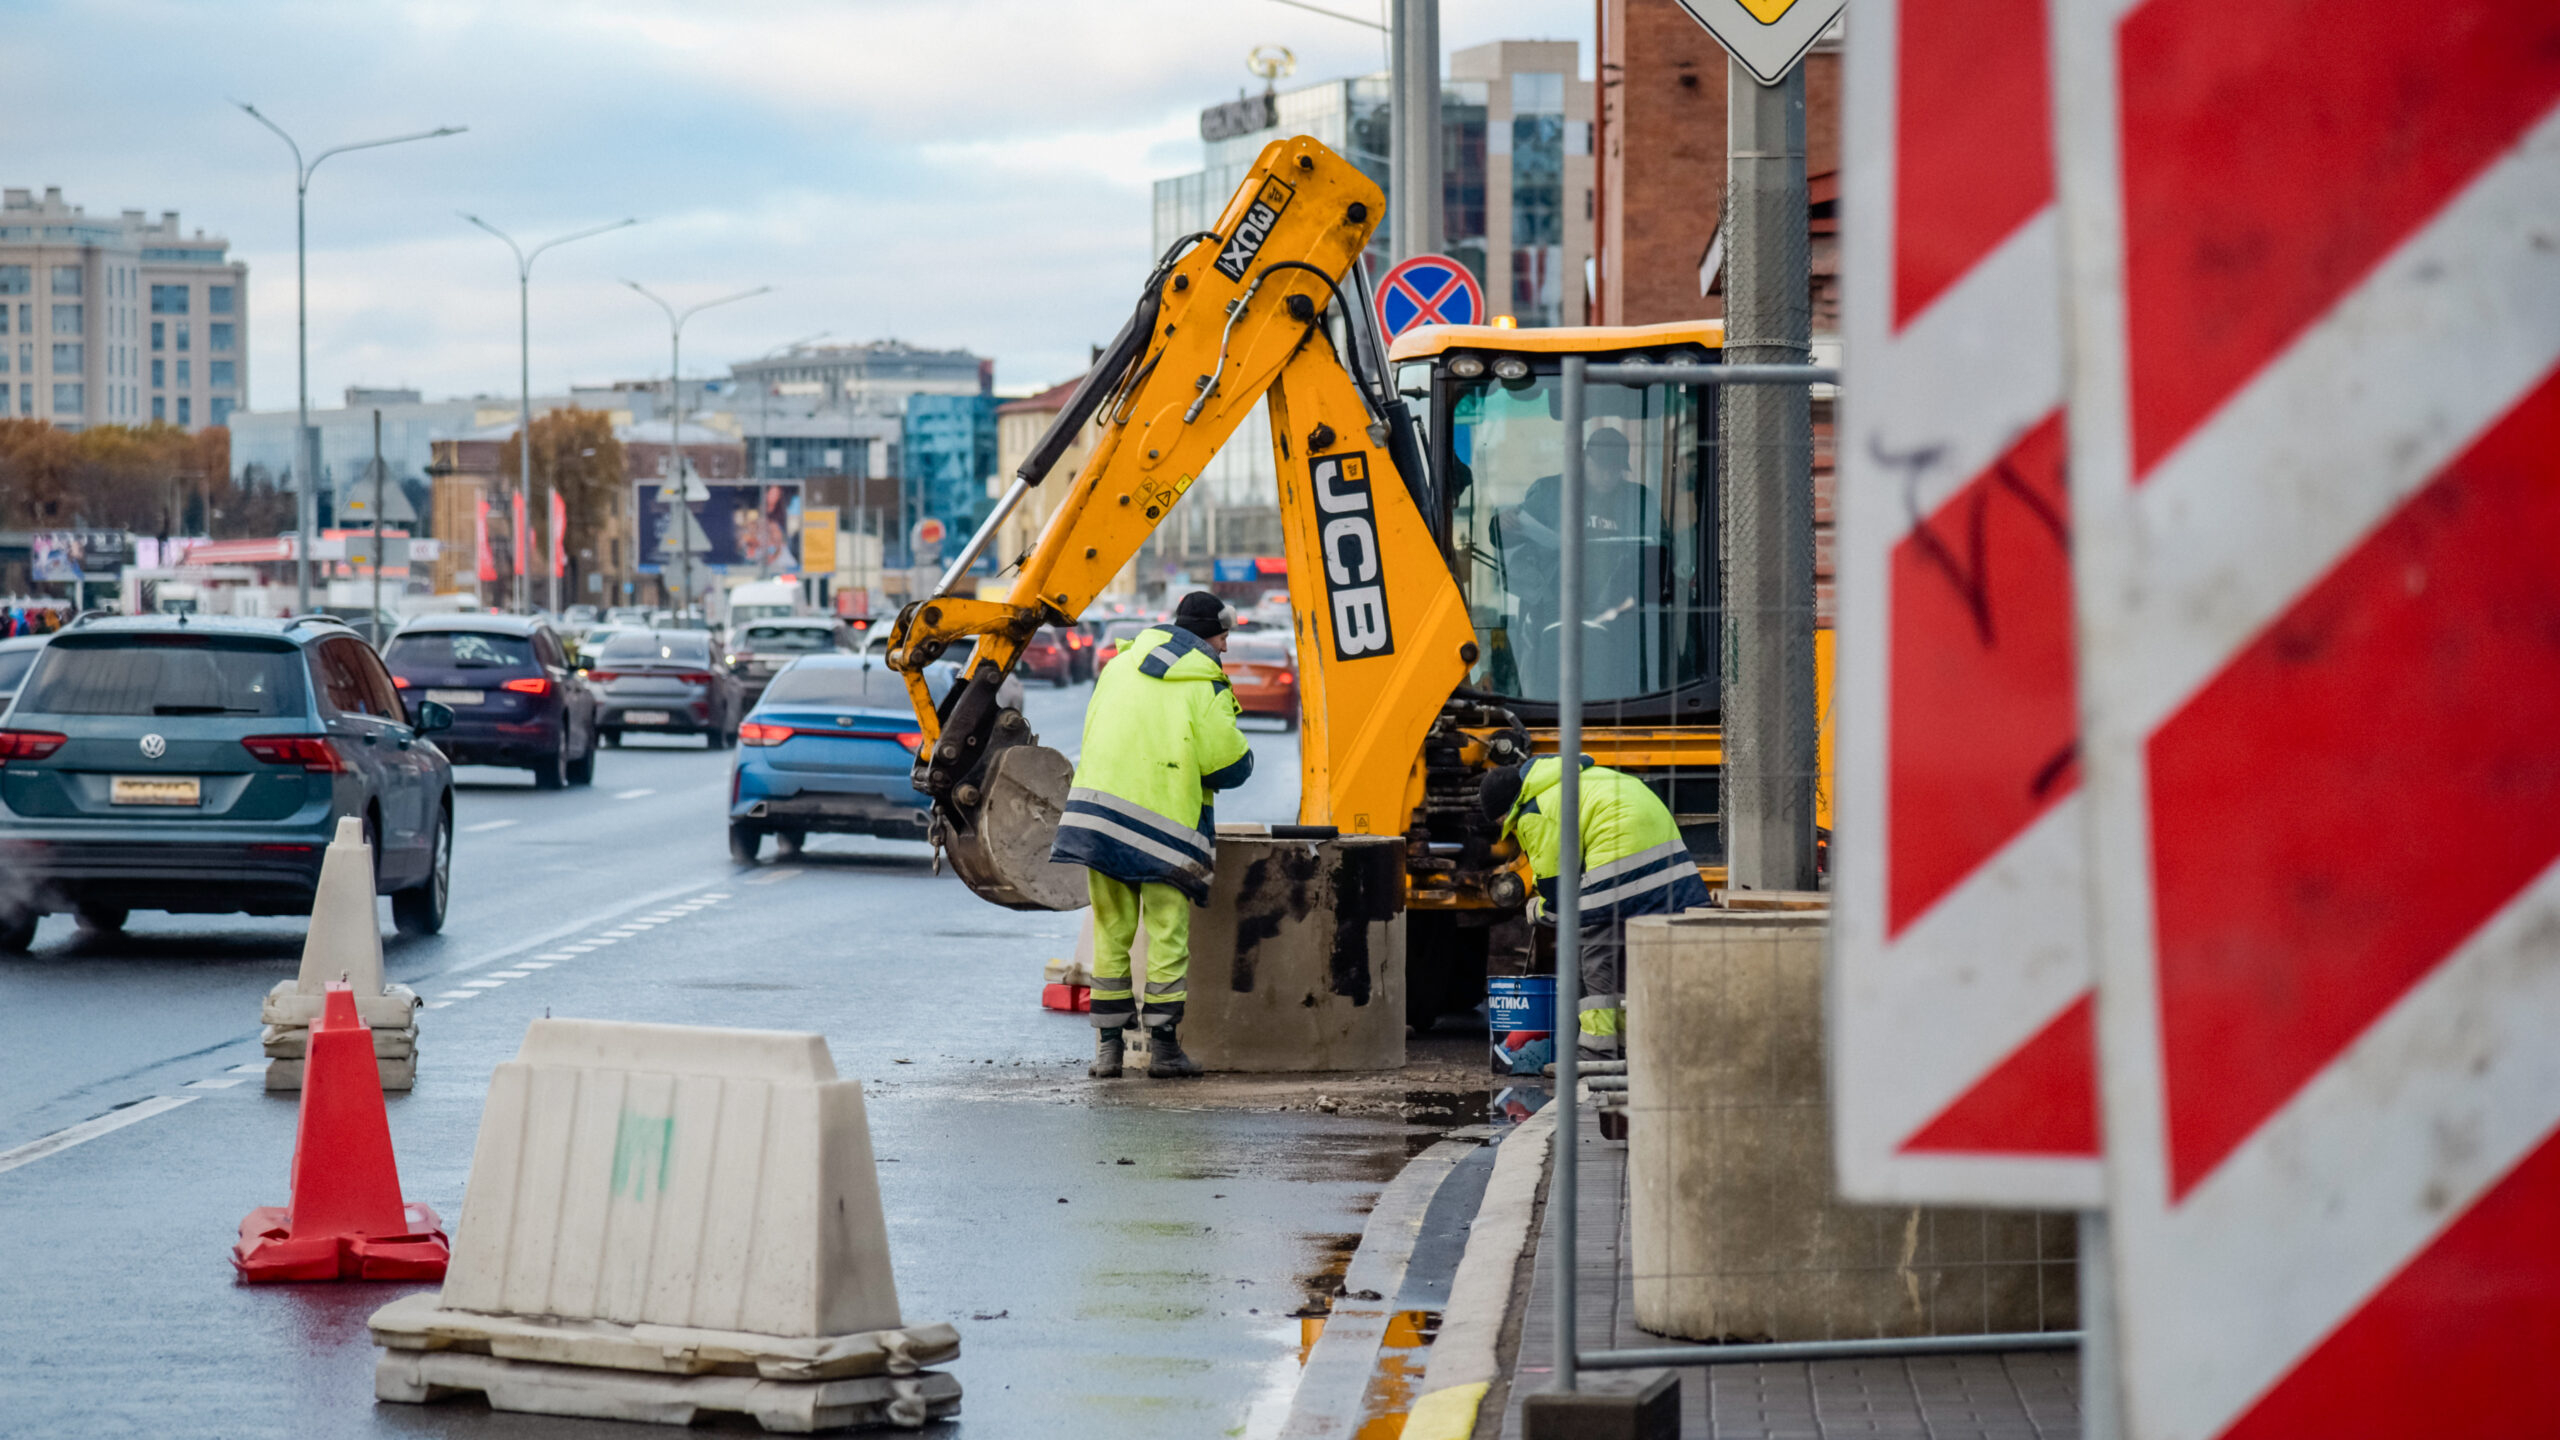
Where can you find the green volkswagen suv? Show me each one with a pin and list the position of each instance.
(199, 765)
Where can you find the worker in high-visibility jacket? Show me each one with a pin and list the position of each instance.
(1633, 863)
(1159, 736)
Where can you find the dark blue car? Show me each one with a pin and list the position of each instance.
(199, 765)
(516, 698)
(831, 749)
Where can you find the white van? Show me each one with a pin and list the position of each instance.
(763, 600)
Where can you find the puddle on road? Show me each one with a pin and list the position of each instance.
(1318, 1287)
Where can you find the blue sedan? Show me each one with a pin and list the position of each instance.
(831, 749)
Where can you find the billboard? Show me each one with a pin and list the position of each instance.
(741, 524)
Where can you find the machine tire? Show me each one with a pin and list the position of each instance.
(17, 932)
(1444, 966)
(745, 841)
(789, 843)
(102, 919)
(420, 909)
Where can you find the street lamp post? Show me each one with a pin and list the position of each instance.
(675, 416)
(524, 380)
(307, 454)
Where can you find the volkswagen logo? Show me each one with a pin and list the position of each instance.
(153, 747)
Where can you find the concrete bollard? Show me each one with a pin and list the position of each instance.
(1737, 1229)
(676, 1200)
(1297, 962)
(343, 942)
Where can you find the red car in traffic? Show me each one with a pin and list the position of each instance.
(1263, 669)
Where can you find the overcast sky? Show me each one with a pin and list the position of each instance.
(970, 173)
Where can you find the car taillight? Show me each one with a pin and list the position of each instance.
(29, 744)
(311, 752)
(757, 732)
(1288, 677)
(604, 677)
(912, 739)
(529, 685)
(695, 677)
(400, 680)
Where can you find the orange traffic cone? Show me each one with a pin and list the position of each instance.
(347, 1221)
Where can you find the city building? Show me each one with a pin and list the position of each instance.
(1532, 184)
(1660, 133)
(947, 462)
(120, 321)
(262, 450)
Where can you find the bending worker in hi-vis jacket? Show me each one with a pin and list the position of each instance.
(1159, 736)
(1633, 863)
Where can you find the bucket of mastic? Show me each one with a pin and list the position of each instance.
(1521, 1012)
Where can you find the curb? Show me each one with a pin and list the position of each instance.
(1466, 1358)
(1336, 1377)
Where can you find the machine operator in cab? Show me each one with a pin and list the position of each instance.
(1159, 737)
(1633, 863)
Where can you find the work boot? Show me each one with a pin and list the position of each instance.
(1110, 1047)
(1165, 1060)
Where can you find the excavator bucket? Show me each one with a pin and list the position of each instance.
(1001, 849)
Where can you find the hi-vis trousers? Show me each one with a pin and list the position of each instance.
(1118, 908)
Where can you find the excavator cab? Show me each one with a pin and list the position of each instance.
(1489, 400)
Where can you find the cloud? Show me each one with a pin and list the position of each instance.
(959, 172)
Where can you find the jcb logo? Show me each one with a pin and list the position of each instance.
(1254, 228)
(1349, 539)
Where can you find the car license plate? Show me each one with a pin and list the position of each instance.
(457, 697)
(644, 717)
(155, 790)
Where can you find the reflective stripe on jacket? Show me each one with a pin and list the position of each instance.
(1633, 859)
(1159, 735)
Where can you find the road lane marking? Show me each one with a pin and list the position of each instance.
(482, 984)
(567, 951)
(559, 955)
(88, 1130)
(488, 825)
(522, 965)
(218, 1082)
(452, 995)
(517, 974)
(593, 941)
(771, 877)
(633, 794)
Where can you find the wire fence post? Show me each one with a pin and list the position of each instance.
(1568, 916)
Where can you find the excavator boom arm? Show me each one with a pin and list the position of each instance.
(1383, 636)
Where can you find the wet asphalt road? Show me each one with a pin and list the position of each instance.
(1119, 1265)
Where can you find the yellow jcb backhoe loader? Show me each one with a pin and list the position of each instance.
(1418, 497)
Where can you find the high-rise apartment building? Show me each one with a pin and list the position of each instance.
(117, 322)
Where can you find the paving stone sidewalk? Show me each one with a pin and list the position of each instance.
(2031, 1395)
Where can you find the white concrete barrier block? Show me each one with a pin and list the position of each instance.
(293, 1042)
(907, 1402)
(393, 1007)
(400, 1073)
(418, 1322)
(675, 1175)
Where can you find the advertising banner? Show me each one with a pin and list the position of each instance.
(741, 524)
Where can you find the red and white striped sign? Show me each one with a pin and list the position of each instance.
(1961, 1035)
(2315, 464)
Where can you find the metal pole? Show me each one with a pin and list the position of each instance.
(306, 446)
(1568, 1016)
(1767, 444)
(1413, 129)
(306, 508)
(2101, 1400)
(675, 447)
(524, 431)
(373, 623)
